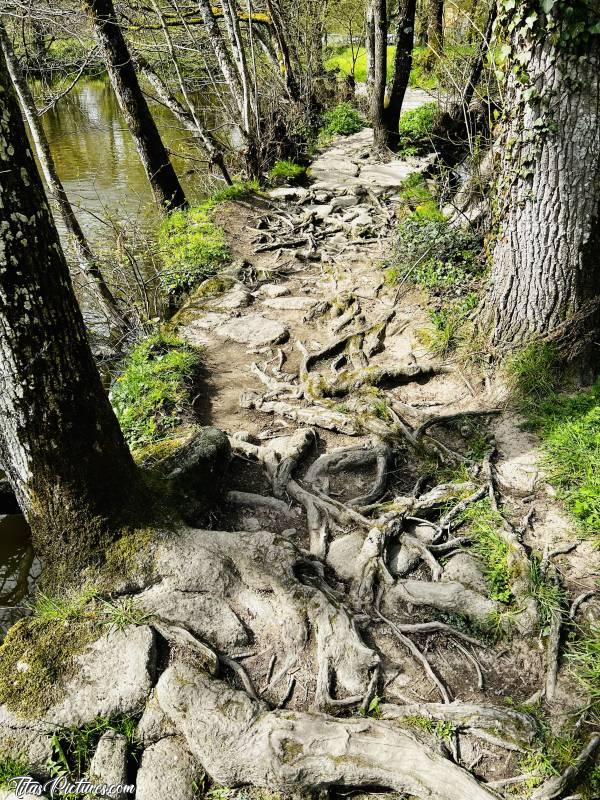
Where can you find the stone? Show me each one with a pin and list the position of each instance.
(273, 290)
(343, 554)
(198, 467)
(402, 558)
(112, 676)
(289, 193)
(254, 330)
(168, 769)
(346, 201)
(24, 740)
(235, 298)
(290, 303)
(466, 569)
(109, 764)
(154, 724)
(206, 616)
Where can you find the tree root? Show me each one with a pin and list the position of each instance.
(239, 741)
(557, 786)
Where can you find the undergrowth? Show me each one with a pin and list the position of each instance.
(553, 753)
(342, 120)
(151, 396)
(482, 523)
(584, 659)
(416, 130)
(12, 768)
(287, 172)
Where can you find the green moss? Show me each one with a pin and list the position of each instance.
(291, 749)
(212, 286)
(151, 396)
(35, 657)
(129, 556)
(152, 453)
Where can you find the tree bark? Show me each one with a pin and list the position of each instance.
(370, 45)
(435, 28)
(545, 272)
(380, 27)
(166, 188)
(83, 253)
(60, 442)
(402, 67)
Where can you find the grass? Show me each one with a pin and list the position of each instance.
(12, 768)
(548, 596)
(151, 396)
(73, 748)
(123, 613)
(584, 659)
(553, 754)
(416, 130)
(287, 172)
(449, 327)
(533, 373)
(569, 429)
(421, 76)
(482, 525)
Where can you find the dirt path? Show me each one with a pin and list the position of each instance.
(310, 354)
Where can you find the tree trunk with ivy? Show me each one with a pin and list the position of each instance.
(545, 272)
(60, 443)
(164, 182)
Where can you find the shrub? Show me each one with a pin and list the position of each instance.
(429, 252)
(342, 120)
(416, 129)
(287, 171)
(151, 396)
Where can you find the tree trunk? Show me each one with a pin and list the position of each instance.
(283, 50)
(164, 182)
(545, 272)
(370, 46)
(402, 67)
(60, 442)
(85, 258)
(379, 13)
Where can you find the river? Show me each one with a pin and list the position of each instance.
(103, 177)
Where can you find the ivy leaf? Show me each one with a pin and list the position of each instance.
(548, 5)
(530, 20)
(595, 28)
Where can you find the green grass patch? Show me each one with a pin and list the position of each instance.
(191, 246)
(569, 428)
(420, 77)
(342, 120)
(287, 172)
(12, 768)
(151, 396)
(416, 130)
(482, 524)
(533, 373)
(552, 755)
(450, 327)
(584, 659)
(548, 595)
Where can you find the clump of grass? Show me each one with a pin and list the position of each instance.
(416, 130)
(584, 658)
(123, 613)
(73, 748)
(343, 120)
(240, 190)
(533, 373)
(431, 253)
(548, 596)
(287, 172)
(569, 427)
(449, 327)
(491, 549)
(151, 396)
(12, 768)
(552, 755)
(191, 246)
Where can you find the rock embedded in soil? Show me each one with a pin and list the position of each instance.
(167, 769)
(109, 764)
(466, 569)
(290, 303)
(20, 737)
(253, 330)
(198, 468)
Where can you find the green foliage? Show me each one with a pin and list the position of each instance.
(569, 427)
(429, 252)
(416, 129)
(533, 372)
(553, 753)
(12, 768)
(374, 709)
(482, 525)
(421, 74)
(414, 190)
(343, 120)
(191, 246)
(442, 337)
(73, 748)
(548, 595)
(151, 396)
(287, 171)
(237, 191)
(123, 613)
(442, 729)
(584, 658)
(341, 58)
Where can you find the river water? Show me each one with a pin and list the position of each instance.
(103, 177)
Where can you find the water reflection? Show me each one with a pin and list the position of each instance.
(19, 569)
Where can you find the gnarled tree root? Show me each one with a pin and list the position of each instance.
(239, 741)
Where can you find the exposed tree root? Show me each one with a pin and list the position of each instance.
(556, 787)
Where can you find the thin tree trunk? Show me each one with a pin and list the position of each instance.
(545, 272)
(379, 12)
(435, 28)
(85, 258)
(167, 190)
(289, 78)
(402, 66)
(370, 45)
(60, 442)
(188, 118)
(222, 55)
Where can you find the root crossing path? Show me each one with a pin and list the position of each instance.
(337, 624)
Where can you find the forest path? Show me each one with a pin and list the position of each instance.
(316, 364)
